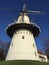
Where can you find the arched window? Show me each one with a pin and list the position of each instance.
(23, 31)
(35, 53)
(20, 32)
(22, 37)
(12, 44)
(33, 44)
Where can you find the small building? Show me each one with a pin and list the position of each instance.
(42, 56)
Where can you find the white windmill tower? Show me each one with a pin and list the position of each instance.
(23, 32)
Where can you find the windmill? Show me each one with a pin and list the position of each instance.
(23, 32)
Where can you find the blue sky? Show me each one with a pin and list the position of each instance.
(7, 17)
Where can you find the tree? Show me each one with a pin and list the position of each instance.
(2, 56)
(46, 45)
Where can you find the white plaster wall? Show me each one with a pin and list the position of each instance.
(22, 49)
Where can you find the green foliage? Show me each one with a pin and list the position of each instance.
(23, 63)
(2, 56)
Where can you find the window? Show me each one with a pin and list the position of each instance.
(22, 37)
(33, 45)
(23, 31)
(20, 32)
(26, 32)
(35, 53)
(12, 44)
